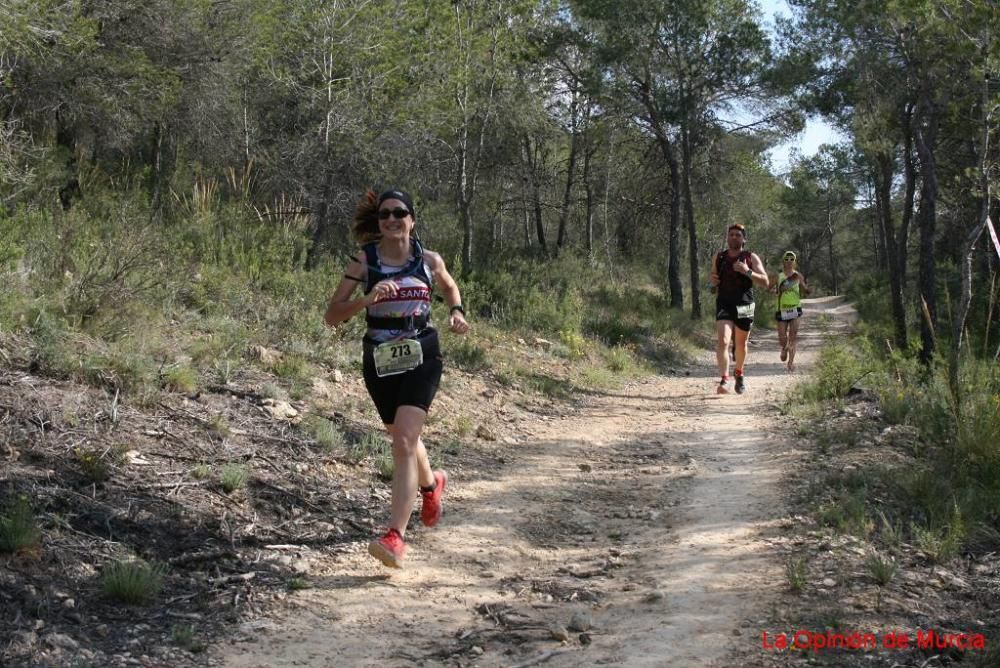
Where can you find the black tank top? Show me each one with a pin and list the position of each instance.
(734, 288)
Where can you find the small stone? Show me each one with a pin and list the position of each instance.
(477, 650)
(558, 632)
(485, 433)
(62, 641)
(654, 597)
(585, 639)
(586, 468)
(279, 410)
(829, 582)
(580, 621)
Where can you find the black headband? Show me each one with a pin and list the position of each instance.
(401, 195)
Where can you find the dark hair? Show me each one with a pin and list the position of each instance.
(365, 228)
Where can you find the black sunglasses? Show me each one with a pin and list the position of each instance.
(399, 213)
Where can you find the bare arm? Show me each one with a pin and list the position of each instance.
(449, 288)
(802, 282)
(341, 307)
(755, 272)
(713, 272)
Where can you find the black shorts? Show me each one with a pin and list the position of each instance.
(416, 387)
(728, 312)
(777, 315)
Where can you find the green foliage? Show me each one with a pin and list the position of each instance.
(98, 465)
(233, 476)
(620, 360)
(797, 573)
(180, 379)
(325, 432)
(839, 367)
(218, 426)
(512, 295)
(882, 568)
(372, 444)
(847, 514)
(201, 472)
(184, 636)
(574, 343)
(18, 529)
(298, 584)
(132, 582)
(941, 543)
(467, 355)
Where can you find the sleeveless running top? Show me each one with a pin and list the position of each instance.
(788, 292)
(412, 303)
(734, 288)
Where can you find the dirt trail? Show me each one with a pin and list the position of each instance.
(638, 515)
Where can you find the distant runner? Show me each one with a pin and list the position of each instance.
(790, 286)
(734, 272)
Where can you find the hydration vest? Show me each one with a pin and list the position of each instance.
(415, 268)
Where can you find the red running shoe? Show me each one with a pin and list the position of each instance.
(389, 549)
(430, 510)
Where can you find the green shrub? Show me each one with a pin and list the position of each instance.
(797, 573)
(467, 355)
(326, 434)
(132, 582)
(180, 379)
(882, 568)
(18, 530)
(372, 444)
(233, 477)
(836, 372)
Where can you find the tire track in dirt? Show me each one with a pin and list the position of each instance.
(630, 529)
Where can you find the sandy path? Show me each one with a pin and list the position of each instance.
(638, 515)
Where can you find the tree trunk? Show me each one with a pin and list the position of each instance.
(910, 178)
(322, 219)
(589, 213)
(965, 297)
(692, 231)
(524, 210)
(676, 288)
(570, 174)
(926, 140)
(829, 249)
(465, 197)
(883, 195)
(536, 195)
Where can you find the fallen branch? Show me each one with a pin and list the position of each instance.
(239, 577)
(201, 556)
(544, 656)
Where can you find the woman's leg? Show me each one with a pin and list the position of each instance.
(793, 337)
(410, 464)
(783, 339)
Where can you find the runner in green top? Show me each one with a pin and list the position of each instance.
(790, 286)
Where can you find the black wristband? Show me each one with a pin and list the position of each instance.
(456, 307)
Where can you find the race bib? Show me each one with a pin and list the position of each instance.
(393, 357)
(789, 313)
(745, 310)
